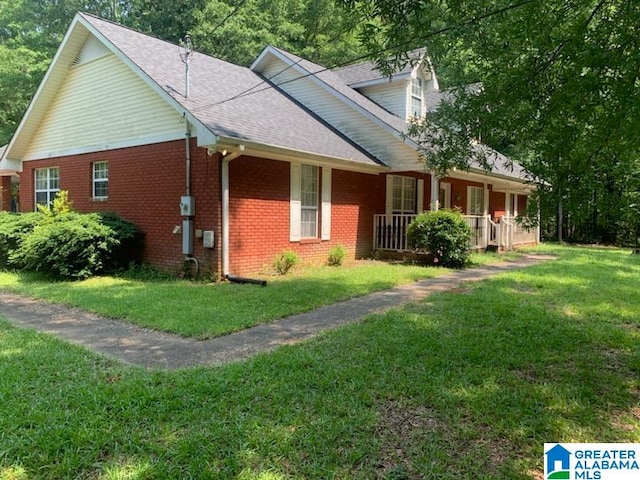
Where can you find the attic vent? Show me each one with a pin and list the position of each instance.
(91, 49)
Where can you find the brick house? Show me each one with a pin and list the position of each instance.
(229, 165)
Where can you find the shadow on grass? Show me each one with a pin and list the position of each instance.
(208, 310)
(460, 386)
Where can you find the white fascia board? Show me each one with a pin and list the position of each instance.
(274, 152)
(381, 80)
(266, 51)
(59, 65)
(313, 77)
(501, 182)
(10, 167)
(206, 138)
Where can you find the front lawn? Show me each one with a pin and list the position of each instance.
(462, 385)
(208, 310)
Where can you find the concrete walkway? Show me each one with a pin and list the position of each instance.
(152, 349)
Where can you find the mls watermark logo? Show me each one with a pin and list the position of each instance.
(591, 461)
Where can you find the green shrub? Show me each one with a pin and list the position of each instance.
(60, 242)
(336, 256)
(71, 245)
(285, 262)
(13, 228)
(130, 238)
(445, 234)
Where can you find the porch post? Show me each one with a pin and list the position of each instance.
(485, 202)
(5, 193)
(435, 192)
(515, 205)
(507, 203)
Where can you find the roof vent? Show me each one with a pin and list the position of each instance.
(90, 50)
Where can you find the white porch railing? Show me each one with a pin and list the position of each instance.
(518, 234)
(390, 232)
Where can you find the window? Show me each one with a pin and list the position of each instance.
(416, 97)
(47, 185)
(444, 197)
(100, 180)
(475, 201)
(309, 201)
(404, 194)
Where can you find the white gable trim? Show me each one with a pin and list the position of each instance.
(142, 74)
(377, 81)
(314, 78)
(71, 45)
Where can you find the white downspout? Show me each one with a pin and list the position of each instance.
(226, 159)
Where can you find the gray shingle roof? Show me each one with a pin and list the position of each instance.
(236, 103)
(266, 116)
(336, 83)
(498, 161)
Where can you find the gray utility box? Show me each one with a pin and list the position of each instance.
(187, 206)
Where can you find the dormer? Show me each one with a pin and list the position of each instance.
(406, 93)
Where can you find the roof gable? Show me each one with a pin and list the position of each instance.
(226, 102)
(333, 83)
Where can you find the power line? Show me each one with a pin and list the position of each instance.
(231, 14)
(268, 79)
(252, 91)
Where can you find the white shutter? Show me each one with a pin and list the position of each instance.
(326, 204)
(420, 196)
(295, 208)
(389, 198)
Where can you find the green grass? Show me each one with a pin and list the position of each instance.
(464, 385)
(209, 310)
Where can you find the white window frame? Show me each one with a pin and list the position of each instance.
(309, 200)
(416, 99)
(322, 207)
(100, 178)
(419, 196)
(475, 200)
(404, 195)
(52, 187)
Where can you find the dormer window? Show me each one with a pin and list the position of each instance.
(416, 97)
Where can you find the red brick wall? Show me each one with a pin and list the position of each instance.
(146, 183)
(459, 192)
(259, 215)
(145, 186)
(522, 204)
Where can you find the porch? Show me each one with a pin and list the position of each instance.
(390, 232)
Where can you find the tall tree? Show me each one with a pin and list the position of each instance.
(30, 33)
(237, 31)
(559, 88)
